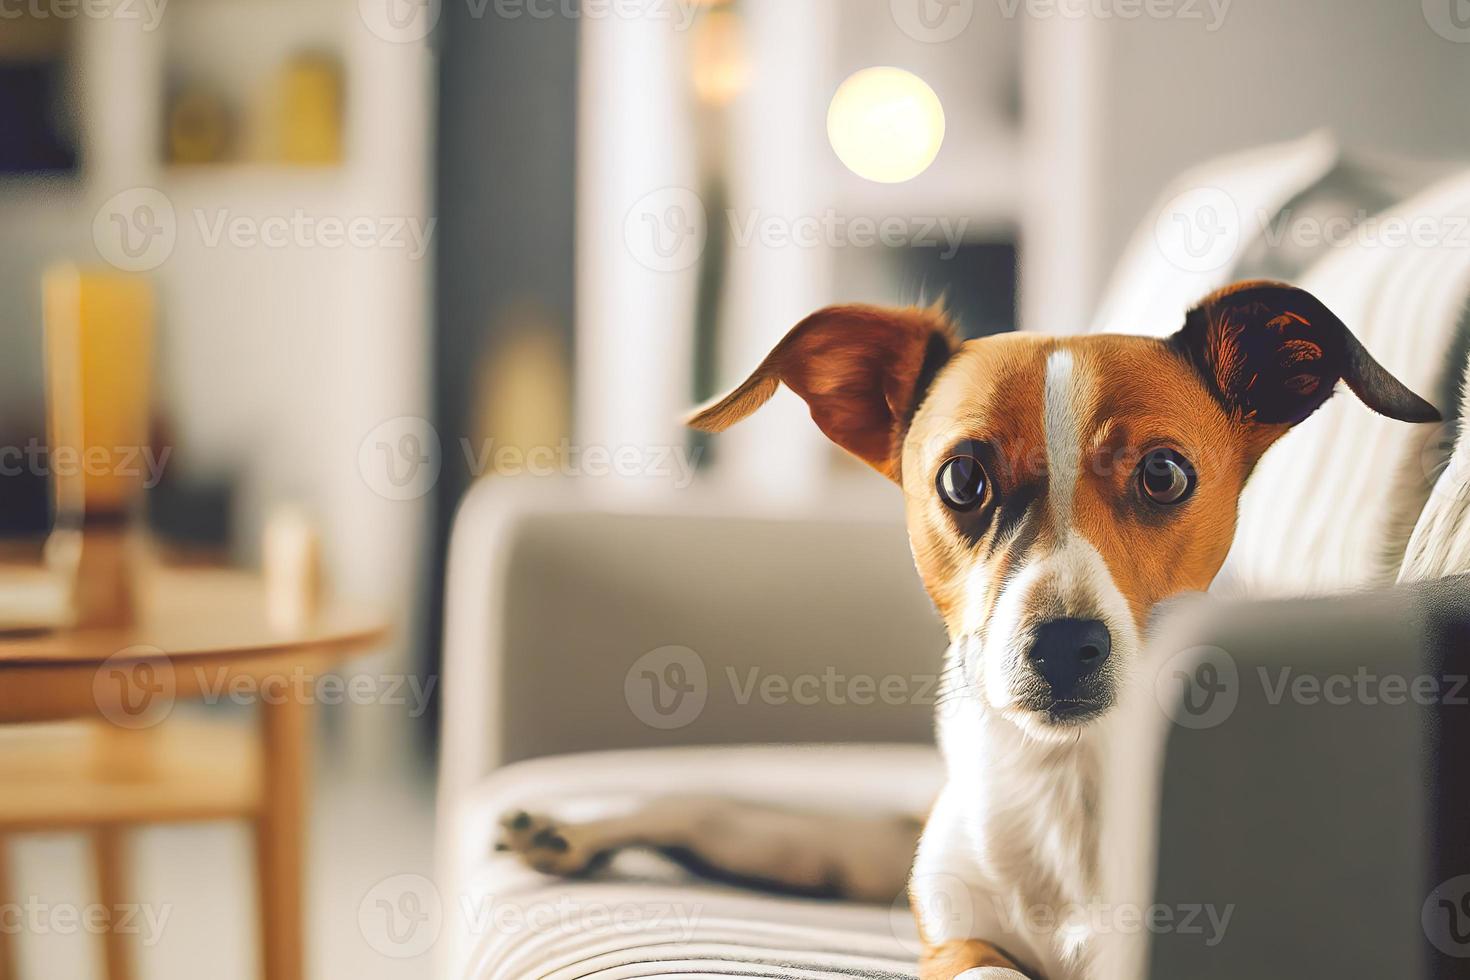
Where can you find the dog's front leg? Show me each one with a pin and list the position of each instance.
(954, 904)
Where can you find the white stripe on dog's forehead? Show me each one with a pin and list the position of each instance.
(1065, 394)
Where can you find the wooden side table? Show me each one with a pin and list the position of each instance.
(198, 634)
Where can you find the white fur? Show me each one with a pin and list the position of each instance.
(1013, 831)
(1063, 392)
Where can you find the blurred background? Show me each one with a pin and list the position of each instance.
(398, 246)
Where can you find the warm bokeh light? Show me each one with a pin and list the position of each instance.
(886, 124)
(720, 67)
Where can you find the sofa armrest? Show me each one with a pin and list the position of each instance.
(577, 624)
(1303, 768)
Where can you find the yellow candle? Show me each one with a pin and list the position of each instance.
(99, 360)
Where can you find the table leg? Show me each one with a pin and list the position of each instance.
(280, 831)
(108, 852)
(9, 918)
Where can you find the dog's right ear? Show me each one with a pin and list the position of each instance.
(862, 371)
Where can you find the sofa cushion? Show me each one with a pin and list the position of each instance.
(644, 918)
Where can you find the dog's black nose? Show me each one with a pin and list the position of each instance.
(1068, 652)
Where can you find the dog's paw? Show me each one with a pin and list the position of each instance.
(543, 844)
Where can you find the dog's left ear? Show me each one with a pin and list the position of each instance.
(862, 371)
(1272, 354)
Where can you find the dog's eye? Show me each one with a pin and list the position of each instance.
(961, 483)
(1166, 477)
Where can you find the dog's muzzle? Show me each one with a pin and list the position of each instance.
(1070, 656)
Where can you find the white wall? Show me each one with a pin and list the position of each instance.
(1175, 93)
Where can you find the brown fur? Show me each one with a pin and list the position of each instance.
(857, 367)
(945, 961)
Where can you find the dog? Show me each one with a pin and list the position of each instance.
(1057, 489)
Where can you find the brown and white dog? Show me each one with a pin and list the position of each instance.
(1057, 489)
